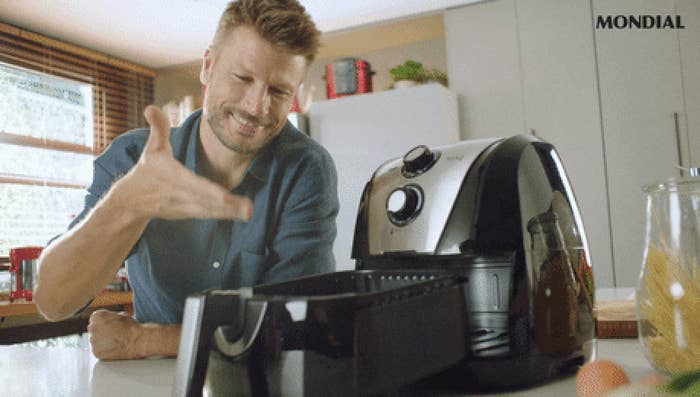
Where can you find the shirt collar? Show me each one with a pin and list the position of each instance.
(191, 128)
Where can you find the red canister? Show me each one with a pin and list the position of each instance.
(348, 76)
(23, 270)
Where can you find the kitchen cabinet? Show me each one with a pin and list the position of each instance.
(484, 68)
(622, 106)
(529, 67)
(646, 119)
(363, 131)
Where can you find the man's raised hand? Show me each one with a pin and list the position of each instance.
(159, 186)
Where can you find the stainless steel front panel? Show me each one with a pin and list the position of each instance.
(440, 186)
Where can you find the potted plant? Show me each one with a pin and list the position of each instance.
(408, 74)
(438, 76)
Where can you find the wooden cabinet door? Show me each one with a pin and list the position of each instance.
(640, 90)
(560, 90)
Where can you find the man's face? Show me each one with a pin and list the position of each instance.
(250, 87)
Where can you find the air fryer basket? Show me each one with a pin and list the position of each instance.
(342, 334)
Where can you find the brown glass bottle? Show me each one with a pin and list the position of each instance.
(555, 303)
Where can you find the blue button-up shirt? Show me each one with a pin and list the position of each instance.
(292, 183)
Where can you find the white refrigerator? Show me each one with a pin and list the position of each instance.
(363, 131)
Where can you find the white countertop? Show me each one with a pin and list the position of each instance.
(74, 371)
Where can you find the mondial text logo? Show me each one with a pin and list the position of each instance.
(639, 22)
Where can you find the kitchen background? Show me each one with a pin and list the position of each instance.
(622, 106)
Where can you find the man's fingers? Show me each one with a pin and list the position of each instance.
(159, 137)
(99, 313)
(239, 207)
(217, 202)
(245, 208)
(202, 198)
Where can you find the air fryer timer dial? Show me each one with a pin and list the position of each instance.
(418, 160)
(404, 204)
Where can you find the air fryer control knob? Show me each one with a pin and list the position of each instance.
(418, 160)
(404, 204)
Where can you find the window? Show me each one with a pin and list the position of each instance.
(60, 106)
(46, 139)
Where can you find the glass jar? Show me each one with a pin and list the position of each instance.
(668, 293)
(23, 272)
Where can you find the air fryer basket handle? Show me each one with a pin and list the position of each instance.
(204, 313)
(233, 342)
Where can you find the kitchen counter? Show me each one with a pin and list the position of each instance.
(74, 371)
(20, 321)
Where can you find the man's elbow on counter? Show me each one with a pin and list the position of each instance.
(48, 306)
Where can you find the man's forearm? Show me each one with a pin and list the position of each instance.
(79, 264)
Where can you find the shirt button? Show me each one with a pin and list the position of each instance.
(216, 264)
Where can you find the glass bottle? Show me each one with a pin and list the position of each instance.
(555, 303)
(668, 293)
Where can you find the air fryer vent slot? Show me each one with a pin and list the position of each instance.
(490, 342)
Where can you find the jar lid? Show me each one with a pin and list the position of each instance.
(24, 253)
(680, 185)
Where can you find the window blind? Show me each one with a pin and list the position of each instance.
(121, 89)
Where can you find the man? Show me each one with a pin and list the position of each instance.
(234, 197)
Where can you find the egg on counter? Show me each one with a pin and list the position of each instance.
(599, 377)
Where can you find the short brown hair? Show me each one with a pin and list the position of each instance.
(283, 23)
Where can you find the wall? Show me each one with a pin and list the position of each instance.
(175, 82)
